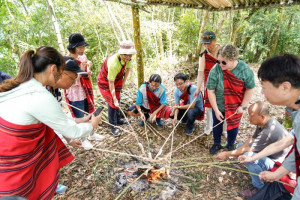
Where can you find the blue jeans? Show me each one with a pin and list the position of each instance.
(82, 105)
(217, 131)
(258, 166)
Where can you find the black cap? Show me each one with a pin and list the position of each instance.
(76, 40)
(208, 36)
(73, 66)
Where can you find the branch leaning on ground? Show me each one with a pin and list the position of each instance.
(201, 134)
(172, 132)
(133, 133)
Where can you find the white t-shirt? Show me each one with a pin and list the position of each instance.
(31, 103)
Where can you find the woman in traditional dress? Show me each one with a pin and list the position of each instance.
(30, 152)
(230, 86)
(111, 78)
(151, 99)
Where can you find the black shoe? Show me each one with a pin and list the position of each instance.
(115, 131)
(214, 149)
(230, 147)
(122, 121)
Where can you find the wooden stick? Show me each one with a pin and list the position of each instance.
(201, 134)
(172, 132)
(247, 172)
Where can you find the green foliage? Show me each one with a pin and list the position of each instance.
(29, 25)
(187, 33)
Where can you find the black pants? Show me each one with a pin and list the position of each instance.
(113, 115)
(189, 117)
(272, 191)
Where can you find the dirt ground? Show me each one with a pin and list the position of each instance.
(92, 174)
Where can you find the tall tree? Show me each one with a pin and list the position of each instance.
(56, 27)
(138, 44)
(202, 28)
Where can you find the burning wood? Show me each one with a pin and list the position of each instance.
(155, 174)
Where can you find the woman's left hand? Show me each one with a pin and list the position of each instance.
(239, 110)
(153, 117)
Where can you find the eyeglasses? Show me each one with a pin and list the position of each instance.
(206, 37)
(223, 62)
(73, 79)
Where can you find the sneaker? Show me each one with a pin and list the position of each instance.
(158, 122)
(230, 147)
(189, 131)
(86, 145)
(115, 131)
(214, 149)
(122, 121)
(96, 136)
(60, 189)
(248, 192)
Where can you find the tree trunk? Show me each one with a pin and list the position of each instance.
(159, 36)
(56, 27)
(15, 49)
(221, 23)
(274, 41)
(235, 27)
(203, 24)
(170, 35)
(138, 44)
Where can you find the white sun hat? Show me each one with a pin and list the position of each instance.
(127, 47)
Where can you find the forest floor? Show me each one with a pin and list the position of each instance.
(93, 173)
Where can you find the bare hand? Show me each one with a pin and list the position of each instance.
(83, 65)
(197, 92)
(221, 156)
(239, 110)
(86, 118)
(116, 102)
(245, 159)
(75, 143)
(174, 121)
(153, 117)
(143, 117)
(268, 176)
(95, 121)
(90, 73)
(219, 116)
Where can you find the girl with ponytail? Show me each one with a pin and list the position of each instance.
(30, 152)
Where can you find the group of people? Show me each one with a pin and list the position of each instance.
(31, 153)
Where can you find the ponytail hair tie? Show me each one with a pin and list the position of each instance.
(34, 52)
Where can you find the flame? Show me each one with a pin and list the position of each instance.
(156, 175)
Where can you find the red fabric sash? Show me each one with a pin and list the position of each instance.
(234, 91)
(88, 90)
(209, 63)
(103, 83)
(154, 104)
(185, 97)
(30, 158)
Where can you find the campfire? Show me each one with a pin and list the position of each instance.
(155, 174)
(150, 176)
